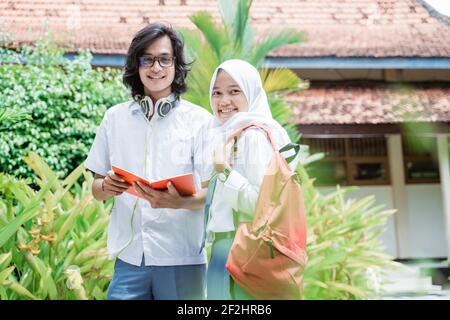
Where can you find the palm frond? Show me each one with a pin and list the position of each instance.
(281, 80)
(236, 42)
(198, 78)
(192, 43)
(227, 10)
(272, 42)
(235, 15)
(213, 33)
(241, 24)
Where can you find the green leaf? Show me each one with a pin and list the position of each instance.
(3, 293)
(70, 220)
(98, 294)
(26, 278)
(19, 289)
(240, 24)
(5, 259)
(89, 251)
(213, 34)
(5, 274)
(275, 41)
(9, 116)
(97, 227)
(3, 214)
(310, 159)
(47, 284)
(26, 214)
(19, 192)
(358, 293)
(316, 283)
(281, 80)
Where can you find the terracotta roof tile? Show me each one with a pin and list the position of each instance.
(376, 28)
(371, 103)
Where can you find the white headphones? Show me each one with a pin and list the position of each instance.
(162, 107)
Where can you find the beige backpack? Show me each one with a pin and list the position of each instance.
(268, 255)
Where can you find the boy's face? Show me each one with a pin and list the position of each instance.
(157, 80)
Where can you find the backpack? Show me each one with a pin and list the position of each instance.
(268, 255)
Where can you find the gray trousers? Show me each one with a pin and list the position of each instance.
(185, 282)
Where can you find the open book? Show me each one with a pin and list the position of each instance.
(183, 183)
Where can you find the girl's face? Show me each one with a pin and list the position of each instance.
(227, 97)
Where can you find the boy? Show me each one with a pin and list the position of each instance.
(157, 242)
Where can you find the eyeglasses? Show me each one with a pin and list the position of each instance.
(148, 61)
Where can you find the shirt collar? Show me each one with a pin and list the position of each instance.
(134, 106)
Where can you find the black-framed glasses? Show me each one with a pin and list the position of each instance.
(148, 61)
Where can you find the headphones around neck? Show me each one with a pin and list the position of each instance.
(162, 107)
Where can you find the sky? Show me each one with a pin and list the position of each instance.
(442, 6)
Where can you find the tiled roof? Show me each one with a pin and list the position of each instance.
(347, 28)
(371, 103)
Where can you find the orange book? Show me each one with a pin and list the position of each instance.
(183, 183)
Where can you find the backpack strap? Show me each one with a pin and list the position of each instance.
(288, 147)
(236, 134)
(207, 208)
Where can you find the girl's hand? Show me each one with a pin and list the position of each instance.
(222, 157)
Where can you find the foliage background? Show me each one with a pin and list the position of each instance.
(64, 100)
(45, 233)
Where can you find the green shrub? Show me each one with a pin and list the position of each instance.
(343, 242)
(52, 241)
(65, 99)
(346, 257)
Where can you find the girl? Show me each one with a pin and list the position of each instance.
(237, 98)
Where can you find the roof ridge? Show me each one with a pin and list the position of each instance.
(359, 28)
(434, 13)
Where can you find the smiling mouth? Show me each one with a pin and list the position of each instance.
(156, 77)
(227, 110)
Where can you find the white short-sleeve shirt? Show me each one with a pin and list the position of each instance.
(156, 149)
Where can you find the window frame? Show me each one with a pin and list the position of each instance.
(350, 162)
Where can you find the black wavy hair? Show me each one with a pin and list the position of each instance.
(140, 42)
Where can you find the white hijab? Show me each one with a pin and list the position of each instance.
(249, 80)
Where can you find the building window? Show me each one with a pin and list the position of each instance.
(420, 159)
(328, 172)
(350, 161)
(369, 171)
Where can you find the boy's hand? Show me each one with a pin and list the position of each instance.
(161, 199)
(114, 184)
(171, 198)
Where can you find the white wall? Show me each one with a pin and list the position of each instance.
(383, 196)
(426, 227)
(426, 221)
